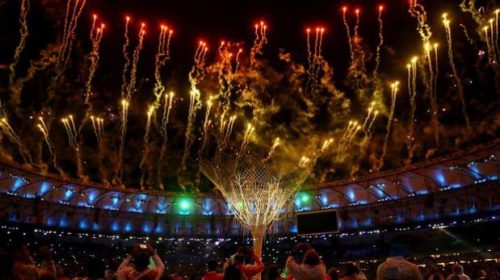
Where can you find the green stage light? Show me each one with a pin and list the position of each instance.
(184, 205)
(304, 197)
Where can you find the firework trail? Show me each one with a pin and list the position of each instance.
(96, 37)
(308, 43)
(229, 128)
(167, 107)
(315, 58)
(394, 91)
(370, 126)
(436, 59)
(194, 101)
(246, 139)
(466, 33)
(46, 136)
(126, 102)
(98, 127)
(125, 53)
(74, 10)
(351, 130)
(432, 92)
(161, 57)
(23, 34)
(326, 144)
(7, 130)
(276, 143)
(348, 30)
(356, 26)
(370, 109)
(417, 11)
(145, 153)
(72, 133)
(206, 124)
(497, 11)
(135, 61)
(412, 91)
(458, 82)
(381, 39)
(488, 45)
(367, 127)
(123, 131)
(259, 41)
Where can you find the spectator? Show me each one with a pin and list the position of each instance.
(47, 265)
(351, 272)
(212, 273)
(248, 271)
(23, 267)
(435, 273)
(333, 273)
(311, 268)
(273, 273)
(483, 274)
(232, 272)
(458, 270)
(140, 260)
(396, 267)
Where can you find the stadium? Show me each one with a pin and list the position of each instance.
(177, 141)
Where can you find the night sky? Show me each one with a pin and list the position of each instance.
(213, 21)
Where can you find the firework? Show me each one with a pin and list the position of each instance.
(46, 136)
(497, 11)
(145, 153)
(417, 11)
(246, 138)
(370, 109)
(194, 100)
(206, 123)
(23, 34)
(96, 37)
(466, 33)
(458, 82)
(98, 127)
(259, 41)
(135, 61)
(167, 107)
(72, 133)
(394, 91)
(356, 26)
(367, 127)
(276, 143)
(74, 9)
(162, 55)
(381, 39)
(123, 131)
(7, 130)
(315, 57)
(125, 53)
(348, 30)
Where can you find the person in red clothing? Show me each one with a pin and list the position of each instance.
(135, 266)
(212, 273)
(248, 271)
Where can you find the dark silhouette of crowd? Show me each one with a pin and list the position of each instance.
(303, 263)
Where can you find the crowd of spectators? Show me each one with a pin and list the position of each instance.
(304, 263)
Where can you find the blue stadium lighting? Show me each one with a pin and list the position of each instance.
(439, 176)
(19, 182)
(83, 224)
(44, 188)
(128, 227)
(115, 226)
(68, 194)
